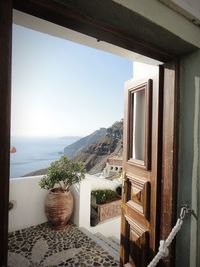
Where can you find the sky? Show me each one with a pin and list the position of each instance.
(61, 88)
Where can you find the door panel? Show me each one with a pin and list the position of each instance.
(138, 195)
(138, 243)
(140, 165)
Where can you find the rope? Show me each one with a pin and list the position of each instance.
(163, 250)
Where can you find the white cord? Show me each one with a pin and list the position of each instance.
(163, 250)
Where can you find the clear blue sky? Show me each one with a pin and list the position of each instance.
(61, 88)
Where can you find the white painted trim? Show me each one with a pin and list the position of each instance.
(47, 27)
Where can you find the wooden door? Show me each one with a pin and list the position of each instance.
(141, 166)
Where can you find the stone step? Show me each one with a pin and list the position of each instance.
(110, 241)
(116, 241)
(104, 242)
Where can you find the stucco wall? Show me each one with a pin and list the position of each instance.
(28, 200)
(169, 19)
(188, 187)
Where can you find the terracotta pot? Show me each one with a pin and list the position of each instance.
(58, 208)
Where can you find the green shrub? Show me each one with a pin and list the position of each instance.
(63, 173)
(104, 195)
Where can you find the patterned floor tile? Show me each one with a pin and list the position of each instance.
(41, 246)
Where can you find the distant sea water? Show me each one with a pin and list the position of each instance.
(34, 153)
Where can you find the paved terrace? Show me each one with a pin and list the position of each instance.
(41, 246)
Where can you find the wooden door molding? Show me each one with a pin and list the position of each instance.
(169, 181)
(139, 195)
(5, 108)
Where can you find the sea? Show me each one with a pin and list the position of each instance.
(34, 153)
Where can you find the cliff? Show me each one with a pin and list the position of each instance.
(74, 149)
(94, 149)
(96, 154)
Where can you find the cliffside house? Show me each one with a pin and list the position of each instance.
(113, 166)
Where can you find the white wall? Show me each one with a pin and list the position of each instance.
(82, 195)
(28, 199)
(167, 18)
(141, 70)
(188, 8)
(81, 213)
(108, 228)
(188, 243)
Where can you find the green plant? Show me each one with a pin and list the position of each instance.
(62, 174)
(104, 195)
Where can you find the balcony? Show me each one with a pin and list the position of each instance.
(33, 243)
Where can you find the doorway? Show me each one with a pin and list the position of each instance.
(86, 106)
(95, 29)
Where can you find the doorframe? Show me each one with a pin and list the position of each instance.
(170, 149)
(71, 18)
(5, 115)
(168, 152)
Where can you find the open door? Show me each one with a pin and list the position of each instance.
(142, 166)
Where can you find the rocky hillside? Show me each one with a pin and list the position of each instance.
(95, 155)
(74, 149)
(94, 149)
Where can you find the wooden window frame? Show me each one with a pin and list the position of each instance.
(147, 87)
(67, 17)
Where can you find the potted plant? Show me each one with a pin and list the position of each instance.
(61, 174)
(107, 203)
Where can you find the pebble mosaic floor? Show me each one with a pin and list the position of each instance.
(41, 246)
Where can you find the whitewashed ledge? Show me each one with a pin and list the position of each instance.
(28, 199)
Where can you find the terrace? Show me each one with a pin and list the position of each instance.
(33, 243)
(41, 246)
